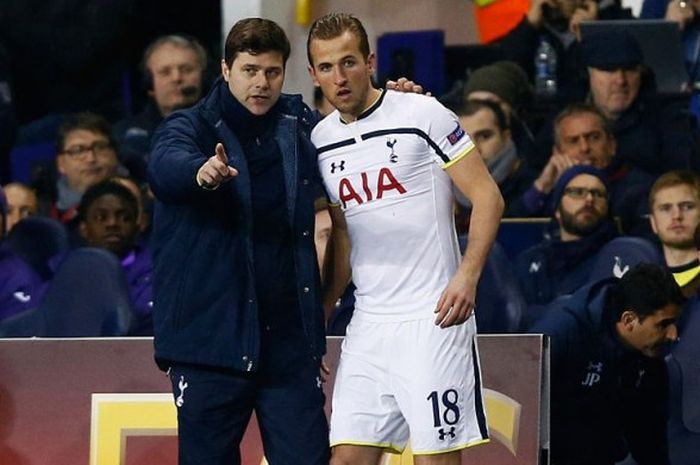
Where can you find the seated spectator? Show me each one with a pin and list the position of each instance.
(8, 115)
(145, 210)
(173, 68)
(21, 288)
(561, 264)
(86, 156)
(674, 202)
(109, 220)
(506, 84)
(557, 22)
(583, 137)
(685, 13)
(21, 203)
(488, 127)
(609, 382)
(653, 134)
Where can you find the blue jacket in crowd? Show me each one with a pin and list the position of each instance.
(205, 304)
(606, 401)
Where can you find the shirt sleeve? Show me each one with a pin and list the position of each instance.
(448, 141)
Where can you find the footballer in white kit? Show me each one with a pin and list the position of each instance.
(400, 374)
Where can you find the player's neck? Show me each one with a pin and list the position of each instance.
(372, 96)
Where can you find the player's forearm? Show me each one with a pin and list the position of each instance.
(483, 227)
(336, 270)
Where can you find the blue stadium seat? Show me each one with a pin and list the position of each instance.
(518, 234)
(87, 297)
(621, 254)
(499, 302)
(36, 240)
(24, 159)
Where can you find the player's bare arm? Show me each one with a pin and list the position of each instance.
(215, 170)
(336, 269)
(472, 178)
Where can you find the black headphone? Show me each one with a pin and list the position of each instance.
(180, 40)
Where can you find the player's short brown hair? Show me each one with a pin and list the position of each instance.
(334, 25)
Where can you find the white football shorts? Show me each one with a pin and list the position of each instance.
(409, 378)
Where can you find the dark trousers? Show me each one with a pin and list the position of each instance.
(214, 408)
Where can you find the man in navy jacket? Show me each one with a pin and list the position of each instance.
(237, 315)
(609, 383)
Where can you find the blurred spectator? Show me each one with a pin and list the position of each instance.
(21, 288)
(562, 264)
(583, 137)
(173, 71)
(685, 13)
(557, 22)
(487, 125)
(8, 118)
(653, 134)
(144, 204)
(506, 84)
(109, 220)
(86, 156)
(674, 203)
(609, 384)
(21, 203)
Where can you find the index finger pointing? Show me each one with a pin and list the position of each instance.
(221, 153)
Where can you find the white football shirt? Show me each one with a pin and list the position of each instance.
(386, 171)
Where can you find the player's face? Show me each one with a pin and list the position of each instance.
(484, 131)
(614, 91)
(583, 138)
(173, 69)
(255, 80)
(580, 211)
(652, 333)
(342, 73)
(110, 224)
(674, 216)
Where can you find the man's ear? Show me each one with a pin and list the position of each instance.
(312, 73)
(82, 229)
(628, 319)
(225, 70)
(371, 63)
(652, 223)
(60, 164)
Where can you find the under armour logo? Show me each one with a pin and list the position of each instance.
(392, 156)
(319, 382)
(593, 375)
(442, 433)
(182, 385)
(595, 366)
(535, 267)
(22, 297)
(618, 271)
(340, 166)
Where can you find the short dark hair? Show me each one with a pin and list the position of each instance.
(674, 178)
(577, 109)
(107, 187)
(644, 290)
(87, 121)
(255, 36)
(470, 107)
(334, 25)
